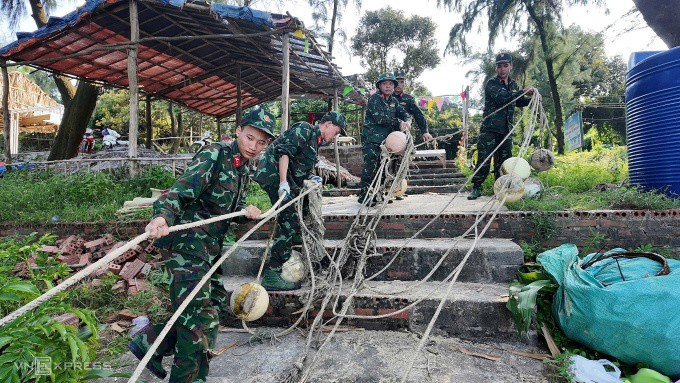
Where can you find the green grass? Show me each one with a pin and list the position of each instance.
(587, 181)
(36, 197)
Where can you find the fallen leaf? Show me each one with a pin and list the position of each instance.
(117, 328)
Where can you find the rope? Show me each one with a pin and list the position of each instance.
(265, 217)
(102, 262)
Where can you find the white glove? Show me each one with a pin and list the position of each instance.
(284, 190)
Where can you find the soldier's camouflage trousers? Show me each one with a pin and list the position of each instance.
(485, 145)
(194, 333)
(287, 231)
(371, 151)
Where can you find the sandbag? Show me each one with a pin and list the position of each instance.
(634, 317)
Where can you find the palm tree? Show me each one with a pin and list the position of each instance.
(519, 16)
(79, 101)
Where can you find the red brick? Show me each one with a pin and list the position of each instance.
(402, 275)
(119, 286)
(49, 249)
(114, 268)
(364, 311)
(85, 259)
(69, 319)
(401, 315)
(131, 269)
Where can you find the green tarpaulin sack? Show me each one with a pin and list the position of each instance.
(626, 306)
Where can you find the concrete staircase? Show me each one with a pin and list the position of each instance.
(424, 177)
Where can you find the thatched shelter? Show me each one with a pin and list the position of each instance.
(31, 105)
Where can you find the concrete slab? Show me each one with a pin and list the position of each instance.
(413, 204)
(368, 356)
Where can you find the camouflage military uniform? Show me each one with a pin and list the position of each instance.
(213, 184)
(383, 115)
(408, 103)
(496, 127)
(300, 143)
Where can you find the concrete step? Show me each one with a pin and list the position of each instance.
(362, 356)
(403, 219)
(492, 261)
(450, 164)
(420, 176)
(472, 311)
(439, 181)
(438, 170)
(420, 189)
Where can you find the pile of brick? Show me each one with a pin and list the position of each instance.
(132, 266)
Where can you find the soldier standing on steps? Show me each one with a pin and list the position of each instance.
(384, 115)
(214, 183)
(408, 103)
(285, 165)
(498, 92)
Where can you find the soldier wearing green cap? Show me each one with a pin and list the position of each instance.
(498, 118)
(384, 115)
(285, 165)
(408, 103)
(214, 183)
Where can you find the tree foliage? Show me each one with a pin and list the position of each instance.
(388, 40)
(517, 18)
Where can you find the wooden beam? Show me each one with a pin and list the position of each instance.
(134, 82)
(285, 82)
(149, 132)
(239, 97)
(31, 120)
(5, 112)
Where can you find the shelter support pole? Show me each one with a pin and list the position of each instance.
(239, 97)
(219, 129)
(134, 85)
(466, 131)
(149, 133)
(5, 112)
(337, 150)
(285, 82)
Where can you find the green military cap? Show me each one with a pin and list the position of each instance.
(400, 74)
(260, 119)
(503, 58)
(337, 119)
(385, 77)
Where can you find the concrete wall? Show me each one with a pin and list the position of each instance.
(624, 228)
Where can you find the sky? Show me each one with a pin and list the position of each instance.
(450, 75)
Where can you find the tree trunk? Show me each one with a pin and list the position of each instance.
(72, 128)
(662, 16)
(177, 129)
(331, 37)
(78, 108)
(552, 80)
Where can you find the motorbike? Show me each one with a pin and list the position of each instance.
(111, 139)
(87, 145)
(201, 142)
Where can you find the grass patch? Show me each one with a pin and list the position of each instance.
(36, 197)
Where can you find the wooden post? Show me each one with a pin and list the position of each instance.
(337, 150)
(285, 82)
(149, 133)
(5, 112)
(219, 128)
(239, 98)
(134, 85)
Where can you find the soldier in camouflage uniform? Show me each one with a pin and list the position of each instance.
(408, 103)
(214, 183)
(384, 115)
(285, 165)
(498, 92)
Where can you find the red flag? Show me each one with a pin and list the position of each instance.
(464, 95)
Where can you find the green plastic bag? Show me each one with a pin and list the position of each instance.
(618, 306)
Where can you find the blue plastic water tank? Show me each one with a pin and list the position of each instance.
(653, 122)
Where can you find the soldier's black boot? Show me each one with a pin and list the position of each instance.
(272, 281)
(475, 193)
(155, 364)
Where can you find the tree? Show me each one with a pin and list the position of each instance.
(387, 40)
(79, 101)
(662, 16)
(520, 16)
(320, 12)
